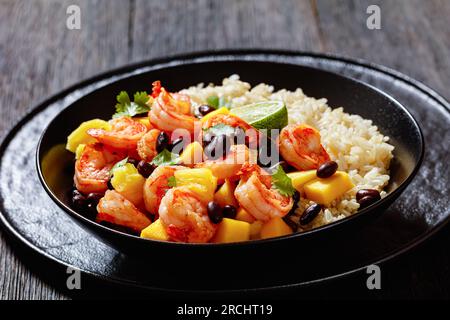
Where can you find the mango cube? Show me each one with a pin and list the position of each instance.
(255, 229)
(231, 230)
(155, 231)
(199, 180)
(225, 195)
(275, 227)
(243, 215)
(222, 110)
(79, 135)
(129, 183)
(324, 191)
(299, 178)
(192, 154)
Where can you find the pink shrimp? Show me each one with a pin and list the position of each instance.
(255, 195)
(124, 134)
(170, 111)
(146, 146)
(185, 216)
(93, 166)
(300, 147)
(115, 208)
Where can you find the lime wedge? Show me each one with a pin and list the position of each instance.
(263, 115)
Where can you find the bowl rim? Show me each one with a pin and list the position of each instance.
(219, 56)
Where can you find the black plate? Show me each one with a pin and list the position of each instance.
(410, 220)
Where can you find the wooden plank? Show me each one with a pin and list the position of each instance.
(170, 27)
(414, 37)
(39, 56)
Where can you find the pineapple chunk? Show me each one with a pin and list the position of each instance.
(324, 191)
(243, 215)
(275, 227)
(192, 154)
(255, 230)
(301, 177)
(225, 195)
(199, 180)
(222, 110)
(155, 231)
(145, 121)
(231, 230)
(79, 135)
(79, 150)
(129, 183)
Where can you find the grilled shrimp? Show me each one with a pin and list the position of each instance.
(156, 186)
(170, 111)
(124, 134)
(300, 147)
(115, 208)
(255, 195)
(230, 166)
(146, 146)
(93, 166)
(185, 216)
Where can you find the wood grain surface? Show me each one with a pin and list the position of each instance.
(39, 56)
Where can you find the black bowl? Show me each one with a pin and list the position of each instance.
(356, 97)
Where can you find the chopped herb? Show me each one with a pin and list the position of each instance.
(119, 164)
(220, 129)
(282, 183)
(172, 182)
(124, 107)
(165, 158)
(213, 101)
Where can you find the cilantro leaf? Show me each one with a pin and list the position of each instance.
(282, 183)
(213, 101)
(172, 181)
(220, 129)
(119, 164)
(165, 158)
(124, 107)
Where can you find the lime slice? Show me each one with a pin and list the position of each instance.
(263, 115)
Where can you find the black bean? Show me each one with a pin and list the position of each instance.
(133, 161)
(296, 197)
(229, 211)
(367, 201)
(145, 169)
(91, 209)
(93, 198)
(367, 192)
(214, 212)
(310, 213)
(291, 224)
(176, 146)
(78, 200)
(327, 169)
(204, 109)
(162, 142)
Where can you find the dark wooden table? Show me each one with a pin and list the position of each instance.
(39, 56)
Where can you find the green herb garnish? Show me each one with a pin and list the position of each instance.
(282, 183)
(213, 101)
(124, 107)
(172, 182)
(165, 158)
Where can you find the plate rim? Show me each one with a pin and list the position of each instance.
(41, 105)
